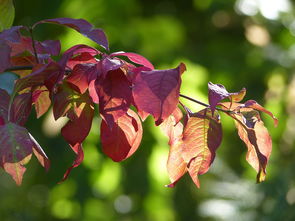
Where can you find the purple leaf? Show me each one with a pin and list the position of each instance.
(216, 93)
(83, 27)
(4, 55)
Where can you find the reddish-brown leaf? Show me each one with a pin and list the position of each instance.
(157, 92)
(202, 135)
(122, 140)
(253, 104)
(257, 139)
(40, 154)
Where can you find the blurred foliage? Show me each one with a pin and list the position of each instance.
(238, 43)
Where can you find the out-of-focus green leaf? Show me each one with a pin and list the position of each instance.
(7, 14)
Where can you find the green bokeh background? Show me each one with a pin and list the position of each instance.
(234, 43)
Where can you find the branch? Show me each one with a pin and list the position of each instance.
(19, 68)
(203, 104)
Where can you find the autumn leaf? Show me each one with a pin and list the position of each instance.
(136, 58)
(122, 140)
(157, 92)
(16, 150)
(82, 26)
(115, 96)
(41, 100)
(202, 136)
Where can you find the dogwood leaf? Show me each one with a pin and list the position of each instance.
(122, 140)
(160, 90)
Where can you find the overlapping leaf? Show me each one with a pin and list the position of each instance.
(82, 26)
(122, 140)
(160, 90)
(115, 96)
(16, 150)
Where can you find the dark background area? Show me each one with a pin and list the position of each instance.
(242, 43)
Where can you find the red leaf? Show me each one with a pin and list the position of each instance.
(78, 79)
(15, 151)
(238, 96)
(157, 92)
(82, 26)
(201, 137)
(77, 129)
(123, 139)
(136, 58)
(115, 96)
(21, 108)
(78, 54)
(79, 158)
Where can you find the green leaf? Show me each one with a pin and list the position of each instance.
(7, 14)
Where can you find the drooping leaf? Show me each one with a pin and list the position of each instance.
(78, 160)
(15, 150)
(115, 96)
(202, 136)
(136, 58)
(251, 130)
(123, 139)
(77, 129)
(173, 128)
(82, 26)
(157, 92)
(253, 104)
(7, 14)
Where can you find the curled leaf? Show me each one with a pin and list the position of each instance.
(122, 140)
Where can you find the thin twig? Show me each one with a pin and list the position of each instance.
(34, 46)
(203, 104)
(19, 68)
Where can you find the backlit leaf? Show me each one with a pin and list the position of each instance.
(157, 92)
(21, 108)
(202, 135)
(82, 26)
(41, 100)
(136, 58)
(123, 139)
